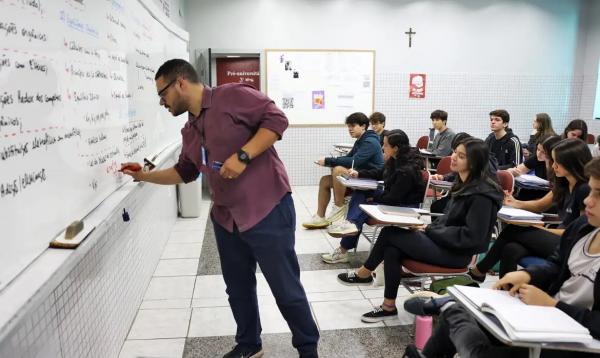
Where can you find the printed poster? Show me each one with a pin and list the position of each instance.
(417, 85)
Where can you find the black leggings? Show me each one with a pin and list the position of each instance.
(516, 242)
(457, 331)
(395, 244)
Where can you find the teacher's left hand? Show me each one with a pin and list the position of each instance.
(232, 168)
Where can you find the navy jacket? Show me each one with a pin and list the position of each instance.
(366, 154)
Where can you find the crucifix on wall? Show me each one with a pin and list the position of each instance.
(410, 32)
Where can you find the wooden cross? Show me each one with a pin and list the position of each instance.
(410, 32)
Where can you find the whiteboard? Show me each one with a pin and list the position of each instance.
(321, 87)
(77, 98)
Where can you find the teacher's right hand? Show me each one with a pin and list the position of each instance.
(134, 170)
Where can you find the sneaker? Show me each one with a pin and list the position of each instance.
(411, 351)
(421, 306)
(343, 228)
(351, 278)
(244, 351)
(475, 277)
(337, 256)
(337, 213)
(316, 222)
(378, 315)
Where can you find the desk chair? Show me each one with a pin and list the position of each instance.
(372, 228)
(590, 139)
(423, 142)
(443, 166)
(420, 273)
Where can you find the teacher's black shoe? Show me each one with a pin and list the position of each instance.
(422, 306)
(244, 351)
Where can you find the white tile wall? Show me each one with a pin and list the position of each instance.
(468, 99)
(90, 312)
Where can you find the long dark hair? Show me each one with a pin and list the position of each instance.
(458, 138)
(544, 126)
(478, 160)
(548, 143)
(407, 158)
(576, 124)
(572, 154)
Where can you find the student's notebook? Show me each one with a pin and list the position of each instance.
(398, 210)
(399, 220)
(532, 180)
(512, 214)
(523, 322)
(359, 184)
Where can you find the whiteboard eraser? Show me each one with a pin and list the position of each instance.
(73, 229)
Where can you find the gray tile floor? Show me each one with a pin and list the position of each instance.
(185, 312)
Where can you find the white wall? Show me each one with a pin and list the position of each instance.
(525, 56)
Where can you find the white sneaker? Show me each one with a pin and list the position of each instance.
(316, 222)
(337, 213)
(335, 257)
(344, 228)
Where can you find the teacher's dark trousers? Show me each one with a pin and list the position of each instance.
(271, 244)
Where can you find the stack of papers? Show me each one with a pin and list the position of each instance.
(399, 210)
(358, 184)
(532, 182)
(523, 322)
(512, 214)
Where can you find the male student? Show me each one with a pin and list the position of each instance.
(229, 136)
(442, 142)
(503, 142)
(377, 120)
(365, 154)
(569, 281)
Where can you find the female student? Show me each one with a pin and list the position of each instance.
(450, 241)
(536, 163)
(577, 128)
(542, 126)
(570, 187)
(403, 186)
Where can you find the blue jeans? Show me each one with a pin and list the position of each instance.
(271, 244)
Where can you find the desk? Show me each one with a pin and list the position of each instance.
(396, 220)
(497, 331)
(439, 186)
(429, 157)
(343, 148)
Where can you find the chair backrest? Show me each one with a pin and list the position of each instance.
(427, 179)
(506, 180)
(443, 166)
(423, 142)
(590, 139)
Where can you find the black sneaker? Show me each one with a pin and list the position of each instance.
(422, 306)
(478, 278)
(411, 351)
(351, 278)
(244, 351)
(378, 315)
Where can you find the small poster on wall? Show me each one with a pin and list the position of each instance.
(318, 99)
(417, 85)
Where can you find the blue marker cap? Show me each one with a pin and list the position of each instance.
(216, 165)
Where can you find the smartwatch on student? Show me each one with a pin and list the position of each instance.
(243, 156)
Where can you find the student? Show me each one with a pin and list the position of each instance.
(569, 281)
(403, 186)
(577, 128)
(365, 154)
(377, 120)
(570, 187)
(542, 126)
(502, 142)
(537, 162)
(596, 151)
(442, 141)
(237, 125)
(450, 241)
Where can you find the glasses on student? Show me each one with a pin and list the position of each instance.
(161, 93)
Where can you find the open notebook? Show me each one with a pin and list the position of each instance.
(360, 184)
(512, 214)
(523, 322)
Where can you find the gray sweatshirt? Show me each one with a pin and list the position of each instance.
(442, 143)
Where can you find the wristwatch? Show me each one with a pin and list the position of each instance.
(243, 157)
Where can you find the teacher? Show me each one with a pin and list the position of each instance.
(229, 137)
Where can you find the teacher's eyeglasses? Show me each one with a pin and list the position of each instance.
(161, 93)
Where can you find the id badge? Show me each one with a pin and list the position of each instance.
(203, 156)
